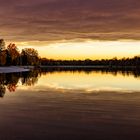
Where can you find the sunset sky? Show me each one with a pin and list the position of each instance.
(73, 29)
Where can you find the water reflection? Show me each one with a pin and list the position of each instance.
(115, 71)
(10, 81)
(2, 90)
(64, 102)
(72, 78)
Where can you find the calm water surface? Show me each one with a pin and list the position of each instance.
(70, 105)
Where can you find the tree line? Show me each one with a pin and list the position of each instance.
(124, 62)
(11, 55)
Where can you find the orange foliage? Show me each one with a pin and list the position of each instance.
(13, 50)
(12, 87)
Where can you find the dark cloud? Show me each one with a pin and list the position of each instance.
(46, 20)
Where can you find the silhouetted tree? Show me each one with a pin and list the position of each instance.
(2, 44)
(14, 53)
(8, 58)
(23, 58)
(30, 56)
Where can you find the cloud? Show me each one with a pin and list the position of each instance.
(51, 20)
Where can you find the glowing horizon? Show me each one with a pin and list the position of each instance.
(89, 49)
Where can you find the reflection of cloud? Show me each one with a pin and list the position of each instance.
(54, 87)
(105, 89)
(88, 83)
(44, 88)
(69, 19)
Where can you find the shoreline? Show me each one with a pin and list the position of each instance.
(89, 66)
(13, 69)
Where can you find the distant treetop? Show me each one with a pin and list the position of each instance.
(2, 44)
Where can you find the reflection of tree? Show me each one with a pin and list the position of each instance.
(10, 81)
(29, 81)
(12, 87)
(2, 90)
(104, 70)
(30, 78)
(12, 78)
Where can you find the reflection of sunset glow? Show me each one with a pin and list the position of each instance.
(94, 81)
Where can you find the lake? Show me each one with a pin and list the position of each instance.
(60, 104)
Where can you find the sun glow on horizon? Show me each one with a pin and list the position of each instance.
(87, 49)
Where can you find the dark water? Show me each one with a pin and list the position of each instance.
(70, 104)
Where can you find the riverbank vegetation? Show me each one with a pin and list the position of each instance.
(11, 55)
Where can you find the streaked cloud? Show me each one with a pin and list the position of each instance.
(52, 20)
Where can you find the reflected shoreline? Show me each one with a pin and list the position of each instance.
(38, 113)
(88, 69)
(10, 81)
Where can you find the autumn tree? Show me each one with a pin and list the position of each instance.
(2, 44)
(2, 52)
(3, 56)
(29, 56)
(23, 58)
(13, 53)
